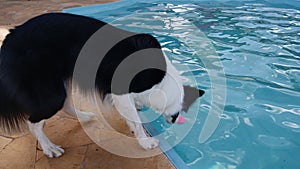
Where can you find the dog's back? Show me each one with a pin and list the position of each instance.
(47, 41)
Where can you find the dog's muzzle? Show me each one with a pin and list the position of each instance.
(174, 117)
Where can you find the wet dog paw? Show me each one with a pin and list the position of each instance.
(148, 143)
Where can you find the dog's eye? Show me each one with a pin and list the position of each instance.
(174, 117)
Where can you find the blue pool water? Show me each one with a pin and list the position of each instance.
(258, 49)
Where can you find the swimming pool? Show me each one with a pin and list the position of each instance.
(258, 49)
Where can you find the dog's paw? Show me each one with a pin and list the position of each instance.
(148, 143)
(52, 150)
(138, 106)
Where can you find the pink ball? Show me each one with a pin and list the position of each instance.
(181, 119)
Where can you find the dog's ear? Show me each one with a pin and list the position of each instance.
(144, 41)
(190, 96)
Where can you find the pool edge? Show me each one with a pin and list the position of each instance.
(165, 147)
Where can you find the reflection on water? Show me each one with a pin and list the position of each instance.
(258, 44)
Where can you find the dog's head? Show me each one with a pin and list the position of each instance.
(168, 96)
(190, 96)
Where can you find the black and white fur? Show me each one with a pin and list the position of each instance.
(37, 62)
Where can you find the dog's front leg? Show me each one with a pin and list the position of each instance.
(145, 141)
(49, 149)
(126, 107)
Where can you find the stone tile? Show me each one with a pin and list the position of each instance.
(4, 142)
(20, 153)
(99, 158)
(117, 122)
(67, 133)
(117, 134)
(15, 135)
(52, 119)
(18, 11)
(39, 154)
(72, 159)
(128, 147)
(107, 128)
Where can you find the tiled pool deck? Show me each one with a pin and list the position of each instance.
(23, 151)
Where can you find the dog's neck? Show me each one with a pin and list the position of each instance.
(165, 97)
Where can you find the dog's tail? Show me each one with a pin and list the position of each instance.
(13, 118)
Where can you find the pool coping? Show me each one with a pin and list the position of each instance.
(93, 8)
(166, 148)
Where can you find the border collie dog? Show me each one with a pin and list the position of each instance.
(37, 62)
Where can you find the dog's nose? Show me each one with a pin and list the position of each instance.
(174, 117)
